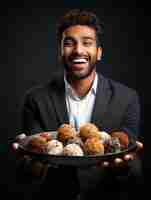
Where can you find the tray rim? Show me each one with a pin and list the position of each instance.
(107, 156)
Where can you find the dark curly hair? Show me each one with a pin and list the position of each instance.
(81, 17)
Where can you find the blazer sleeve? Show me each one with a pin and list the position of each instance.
(131, 120)
(29, 116)
(131, 125)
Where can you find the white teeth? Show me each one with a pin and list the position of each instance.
(79, 60)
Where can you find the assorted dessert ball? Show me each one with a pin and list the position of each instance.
(66, 132)
(123, 138)
(90, 140)
(93, 146)
(54, 147)
(76, 140)
(73, 150)
(37, 144)
(89, 130)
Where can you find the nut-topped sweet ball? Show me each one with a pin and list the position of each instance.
(76, 140)
(104, 136)
(46, 135)
(37, 141)
(93, 146)
(66, 132)
(73, 150)
(89, 130)
(123, 138)
(37, 144)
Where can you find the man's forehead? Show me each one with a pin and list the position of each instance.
(80, 31)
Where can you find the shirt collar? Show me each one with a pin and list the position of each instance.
(69, 89)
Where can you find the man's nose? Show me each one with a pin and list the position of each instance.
(78, 48)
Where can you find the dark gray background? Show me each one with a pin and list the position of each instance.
(28, 57)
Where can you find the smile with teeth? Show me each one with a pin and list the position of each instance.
(79, 60)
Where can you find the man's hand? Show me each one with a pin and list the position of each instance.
(121, 161)
(37, 168)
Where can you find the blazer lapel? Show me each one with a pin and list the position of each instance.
(102, 100)
(58, 97)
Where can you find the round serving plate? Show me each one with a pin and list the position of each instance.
(79, 161)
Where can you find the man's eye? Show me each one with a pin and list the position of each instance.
(68, 43)
(88, 43)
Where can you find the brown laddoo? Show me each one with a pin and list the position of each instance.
(89, 130)
(123, 138)
(66, 132)
(93, 146)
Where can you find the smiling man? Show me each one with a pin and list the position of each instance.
(79, 96)
(80, 52)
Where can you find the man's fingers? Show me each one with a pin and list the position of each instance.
(121, 161)
(20, 137)
(15, 146)
(118, 161)
(18, 140)
(18, 154)
(139, 145)
(105, 164)
(129, 157)
(132, 155)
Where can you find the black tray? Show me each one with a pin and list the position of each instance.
(79, 161)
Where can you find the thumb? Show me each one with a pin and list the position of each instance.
(140, 145)
(15, 146)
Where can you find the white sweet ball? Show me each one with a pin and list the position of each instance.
(54, 147)
(73, 150)
(104, 136)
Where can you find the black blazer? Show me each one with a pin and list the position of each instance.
(116, 107)
(44, 109)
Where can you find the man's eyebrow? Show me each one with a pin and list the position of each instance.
(68, 38)
(84, 37)
(88, 38)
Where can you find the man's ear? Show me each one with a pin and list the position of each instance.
(99, 53)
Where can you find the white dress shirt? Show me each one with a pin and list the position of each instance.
(80, 109)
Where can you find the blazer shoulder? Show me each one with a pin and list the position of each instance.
(118, 89)
(122, 90)
(55, 82)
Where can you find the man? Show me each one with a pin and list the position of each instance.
(78, 96)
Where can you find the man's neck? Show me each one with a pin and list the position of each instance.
(82, 87)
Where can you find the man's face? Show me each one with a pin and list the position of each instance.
(79, 51)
